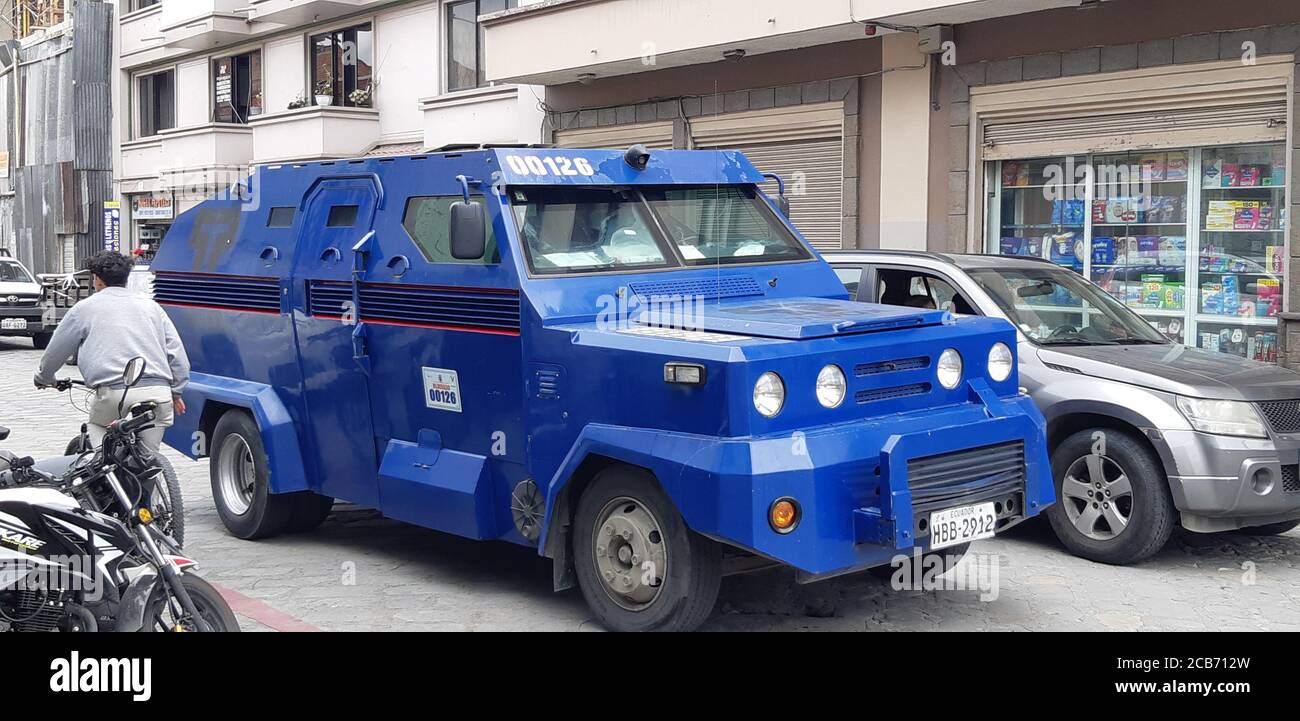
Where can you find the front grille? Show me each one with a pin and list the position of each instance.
(961, 471)
(1283, 416)
(19, 302)
(863, 370)
(1291, 479)
(727, 286)
(883, 394)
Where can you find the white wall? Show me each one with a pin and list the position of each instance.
(284, 71)
(407, 52)
(193, 99)
(904, 144)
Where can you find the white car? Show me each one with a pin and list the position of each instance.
(21, 313)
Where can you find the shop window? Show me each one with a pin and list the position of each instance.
(342, 66)
(428, 222)
(1191, 239)
(342, 216)
(157, 103)
(280, 218)
(237, 87)
(465, 41)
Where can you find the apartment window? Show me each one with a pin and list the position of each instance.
(342, 66)
(465, 41)
(157, 109)
(142, 4)
(237, 87)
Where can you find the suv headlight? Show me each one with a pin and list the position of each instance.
(831, 386)
(1001, 362)
(769, 394)
(1223, 418)
(949, 369)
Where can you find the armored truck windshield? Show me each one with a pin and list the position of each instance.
(566, 229)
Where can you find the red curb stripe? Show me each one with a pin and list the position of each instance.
(264, 614)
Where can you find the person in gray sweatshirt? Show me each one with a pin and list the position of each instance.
(106, 331)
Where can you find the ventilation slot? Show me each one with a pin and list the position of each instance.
(215, 291)
(906, 364)
(734, 286)
(884, 394)
(994, 464)
(483, 310)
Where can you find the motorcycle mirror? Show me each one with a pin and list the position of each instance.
(134, 371)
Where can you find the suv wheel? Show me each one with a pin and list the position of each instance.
(1113, 503)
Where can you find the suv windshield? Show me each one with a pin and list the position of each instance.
(11, 272)
(1059, 307)
(581, 230)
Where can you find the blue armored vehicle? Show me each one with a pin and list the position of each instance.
(629, 360)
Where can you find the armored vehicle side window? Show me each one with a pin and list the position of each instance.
(342, 216)
(428, 222)
(280, 218)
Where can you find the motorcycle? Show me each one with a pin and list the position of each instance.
(67, 566)
(157, 478)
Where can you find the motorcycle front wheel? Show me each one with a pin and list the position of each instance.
(212, 608)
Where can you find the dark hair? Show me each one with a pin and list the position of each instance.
(110, 267)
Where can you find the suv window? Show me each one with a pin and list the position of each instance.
(921, 290)
(428, 222)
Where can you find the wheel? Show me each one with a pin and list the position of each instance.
(42, 340)
(212, 608)
(167, 503)
(240, 487)
(638, 565)
(1113, 504)
(1272, 529)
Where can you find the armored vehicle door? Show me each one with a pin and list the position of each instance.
(333, 239)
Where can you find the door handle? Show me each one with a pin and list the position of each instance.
(331, 254)
(269, 255)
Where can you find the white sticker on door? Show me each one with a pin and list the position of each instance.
(442, 389)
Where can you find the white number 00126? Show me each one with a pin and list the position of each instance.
(560, 166)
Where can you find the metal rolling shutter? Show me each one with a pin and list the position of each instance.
(813, 171)
(652, 135)
(803, 144)
(1182, 106)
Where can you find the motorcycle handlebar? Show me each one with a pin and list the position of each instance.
(135, 423)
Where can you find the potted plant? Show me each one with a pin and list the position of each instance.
(360, 97)
(255, 105)
(298, 102)
(325, 91)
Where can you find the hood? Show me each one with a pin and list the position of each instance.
(799, 318)
(8, 288)
(1179, 369)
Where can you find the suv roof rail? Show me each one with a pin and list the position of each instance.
(887, 251)
(460, 147)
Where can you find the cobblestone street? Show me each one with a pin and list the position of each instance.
(360, 572)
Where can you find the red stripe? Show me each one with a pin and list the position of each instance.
(219, 307)
(264, 614)
(189, 274)
(434, 326)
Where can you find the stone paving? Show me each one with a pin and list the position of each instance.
(359, 572)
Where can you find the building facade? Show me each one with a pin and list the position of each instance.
(208, 89)
(1143, 143)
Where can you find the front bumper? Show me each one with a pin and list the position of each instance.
(1221, 483)
(859, 508)
(34, 317)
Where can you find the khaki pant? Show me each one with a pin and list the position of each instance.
(103, 411)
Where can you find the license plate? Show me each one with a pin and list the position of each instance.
(13, 324)
(962, 525)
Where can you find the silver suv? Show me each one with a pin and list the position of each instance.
(1143, 432)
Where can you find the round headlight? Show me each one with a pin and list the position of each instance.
(950, 369)
(769, 394)
(1000, 362)
(831, 386)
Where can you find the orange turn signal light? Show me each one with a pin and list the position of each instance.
(783, 515)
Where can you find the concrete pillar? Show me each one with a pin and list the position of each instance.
(904, 144)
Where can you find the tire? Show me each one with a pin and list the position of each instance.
(41, 341)
(1272, 529)
(630, 498)
(212, 608)
(1147, 510)
(175, 501)
(241, 489)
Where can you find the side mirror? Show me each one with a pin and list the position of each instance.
(468, 231)
(134, 371)
(783, 205)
